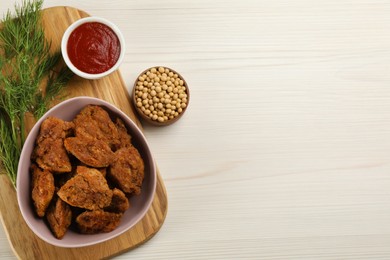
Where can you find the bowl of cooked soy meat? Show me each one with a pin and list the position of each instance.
(86, 174)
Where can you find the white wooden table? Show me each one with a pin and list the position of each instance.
(284, 152)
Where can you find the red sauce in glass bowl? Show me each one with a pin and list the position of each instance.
(93, 47)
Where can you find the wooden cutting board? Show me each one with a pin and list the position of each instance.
(23, 241)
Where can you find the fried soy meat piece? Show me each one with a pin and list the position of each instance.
(59, 217)
(92, 152)
(88, 189)
(98, 221)
(42, 189)
(127, 170)
(93, 122)
(103, 170)
(50, 153)
(124, 137)
(119, 202)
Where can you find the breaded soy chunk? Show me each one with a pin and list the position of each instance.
(119, 202)
(42, 189)
(50, 153)
(128, 170)
(59, 217)
(92, 152)
(97, 221)
(88, 189)
(93, 122)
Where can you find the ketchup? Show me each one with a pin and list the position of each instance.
(93, 47)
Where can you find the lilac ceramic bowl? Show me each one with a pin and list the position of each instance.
(140, 204)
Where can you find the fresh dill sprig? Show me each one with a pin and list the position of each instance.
(30, 78)
(8, 150)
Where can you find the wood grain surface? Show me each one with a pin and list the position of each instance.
(24, 242)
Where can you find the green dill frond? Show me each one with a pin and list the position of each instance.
(20, 31)
(30, 77)
(9, 151)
